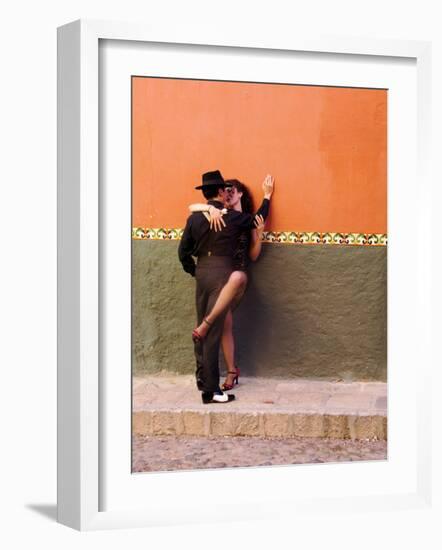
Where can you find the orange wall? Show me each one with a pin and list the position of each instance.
(326, 148)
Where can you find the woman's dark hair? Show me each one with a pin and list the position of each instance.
(246, 199)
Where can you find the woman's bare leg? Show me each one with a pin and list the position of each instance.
(234, 286)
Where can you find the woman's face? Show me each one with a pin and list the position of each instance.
(233, 197)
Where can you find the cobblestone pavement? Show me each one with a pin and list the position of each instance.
(165, 453)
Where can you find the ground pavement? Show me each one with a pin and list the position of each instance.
(271, 422)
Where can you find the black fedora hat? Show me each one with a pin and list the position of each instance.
(212, 178)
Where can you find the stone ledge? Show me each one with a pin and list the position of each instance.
(170, 405)
(259, 424)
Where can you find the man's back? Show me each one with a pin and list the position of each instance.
(199, 240)
(218, 243)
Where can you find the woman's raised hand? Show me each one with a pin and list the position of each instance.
(267, 186)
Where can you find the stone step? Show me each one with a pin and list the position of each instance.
(171, 405)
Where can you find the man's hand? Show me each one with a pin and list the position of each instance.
(259, 224)
(267, 186)
(216, 219)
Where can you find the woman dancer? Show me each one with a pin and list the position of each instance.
(249, 247)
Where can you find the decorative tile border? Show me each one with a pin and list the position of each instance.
(293, 237)
(159, 234)
(285, 237)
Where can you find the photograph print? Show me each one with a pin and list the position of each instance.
(259, 274)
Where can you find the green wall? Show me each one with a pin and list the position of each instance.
(316, 311)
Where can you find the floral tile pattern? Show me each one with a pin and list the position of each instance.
(285, 237)
(157, 234)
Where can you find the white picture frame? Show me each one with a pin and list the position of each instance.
(79, 294)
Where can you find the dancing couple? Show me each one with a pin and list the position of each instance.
(222, 234)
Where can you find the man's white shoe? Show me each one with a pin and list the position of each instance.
(217, 397)
(223, 398)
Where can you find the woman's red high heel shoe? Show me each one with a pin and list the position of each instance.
(196, 336)
(227, 386)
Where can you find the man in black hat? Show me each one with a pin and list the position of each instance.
(214, 251)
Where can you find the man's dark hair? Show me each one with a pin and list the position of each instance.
(212, 191)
